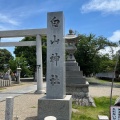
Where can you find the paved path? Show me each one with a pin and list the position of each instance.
(94, 90)
(20, 91)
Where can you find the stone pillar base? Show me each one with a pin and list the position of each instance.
(59, 108)
(18, 82)
(40, 91)
(80, 94)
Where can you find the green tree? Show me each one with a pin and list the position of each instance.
(22, 63)
(29, 53)
(106, 63)
(5, 56)
(87, 54)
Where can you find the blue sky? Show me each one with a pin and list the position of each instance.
(100, 17)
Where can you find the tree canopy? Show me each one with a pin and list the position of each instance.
(5, 56)
(29, 53)
(87, 54)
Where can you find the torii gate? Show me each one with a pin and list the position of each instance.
(23, 33)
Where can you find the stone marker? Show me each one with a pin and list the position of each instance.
(55, 57)
(56, 103)
(18, 75)
(9, 108)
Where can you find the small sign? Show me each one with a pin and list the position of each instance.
(115, 113)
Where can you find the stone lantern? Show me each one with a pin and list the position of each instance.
(18, 74)
(76, 83)
(70, 39)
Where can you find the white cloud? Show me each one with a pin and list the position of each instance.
(7, 19)
(109, 50)
(105, 6)
(115, 37)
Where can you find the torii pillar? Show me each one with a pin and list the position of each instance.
(39, 65)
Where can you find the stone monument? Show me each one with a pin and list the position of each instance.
(76, 84)
(56, 103)
(18, 75)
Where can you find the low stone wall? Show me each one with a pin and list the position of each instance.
(5, 83)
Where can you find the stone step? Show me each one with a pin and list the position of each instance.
(74, 73)
(72, 68)
(75, 80)
(72, 64)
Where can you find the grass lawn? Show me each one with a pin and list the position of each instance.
(91, 113)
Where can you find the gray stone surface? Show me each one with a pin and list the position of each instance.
(18, 75)
(55, 56)
(56, 103)
(74, 73)
(80, 94)
(75, 80)
(39, 65)
(71, 64)
(76, 84)
(9, 108)
(60, 108)
(5, 83)
(23, 43)
(72, 68)
(78, 88)
(22, 33)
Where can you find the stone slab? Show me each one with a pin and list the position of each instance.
(71, 64)
(59, 108)
(74, 73)
(23, 33)
(79, 85)
(75, 80)
(72, 68)
(55, 56)
(103, 117)
(23, 43)
(80, 94)
(77, 88)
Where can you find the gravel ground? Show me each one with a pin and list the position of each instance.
(103, 91)
(25, 106)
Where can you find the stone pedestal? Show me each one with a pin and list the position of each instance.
(76, 84)
(80, 94)
(73, 74)
(59, 108)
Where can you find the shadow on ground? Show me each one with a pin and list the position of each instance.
(31, 118)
